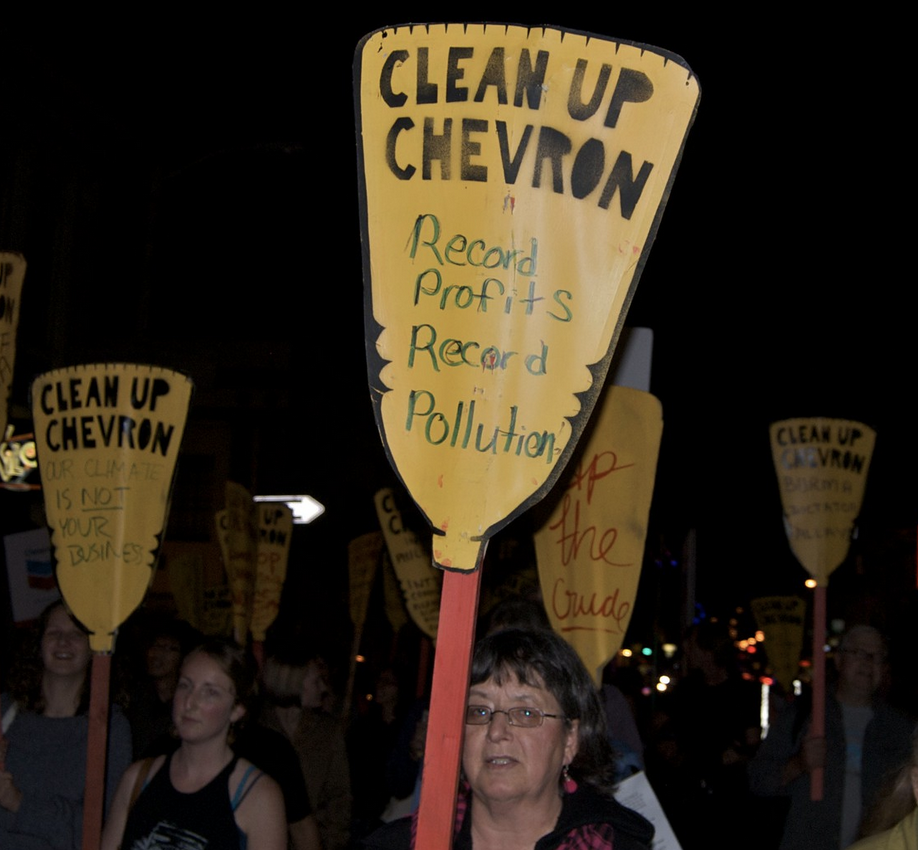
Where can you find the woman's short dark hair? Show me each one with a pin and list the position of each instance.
(236, 663)
(542, 659)
(172, 628)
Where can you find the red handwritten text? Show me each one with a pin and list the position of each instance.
(569, 604)
(603, 464)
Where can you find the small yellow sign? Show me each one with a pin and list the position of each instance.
(275, 533)
(108, 437)
(512, 180)
(781, 620)
(420, 583)
(591, 549)
(12, 274)
(822, 471)
(236, 532)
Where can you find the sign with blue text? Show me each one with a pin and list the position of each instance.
(512, 180)
(822, 469)
(108, 437)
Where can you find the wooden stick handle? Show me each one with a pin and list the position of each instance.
(96, 746)
(818, 723)
(443, 750)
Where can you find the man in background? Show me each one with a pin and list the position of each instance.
(865, 740)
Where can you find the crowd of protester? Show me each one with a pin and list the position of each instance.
(191, 712)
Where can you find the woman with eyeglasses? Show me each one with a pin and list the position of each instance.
(537, 766)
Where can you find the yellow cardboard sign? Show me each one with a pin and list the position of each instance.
(420, 583)
(591, 549)
(512, 180)
(275, 531)
(822, 471)
(236, 532)
(781, 620)
(12, 274)
(108, 436)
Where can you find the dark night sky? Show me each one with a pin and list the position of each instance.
(221, 155)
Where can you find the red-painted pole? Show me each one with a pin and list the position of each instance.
(818, 723)
(443, 750)
(96, 746)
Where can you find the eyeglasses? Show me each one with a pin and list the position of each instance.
(528, 718)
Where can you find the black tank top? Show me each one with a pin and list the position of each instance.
(165, 819)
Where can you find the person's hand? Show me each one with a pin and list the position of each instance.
(10, 795)
(810, 757)
(742, 751)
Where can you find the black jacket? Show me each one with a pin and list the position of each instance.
(632, 831)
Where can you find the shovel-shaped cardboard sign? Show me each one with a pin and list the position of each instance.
(237, 534)
(12, 274)
(108, 436)
(275, 534)
(782, 618)
(822, 472)
(591, 549)
(421, 584)
(512, 180)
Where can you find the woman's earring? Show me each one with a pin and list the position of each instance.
(569, 785)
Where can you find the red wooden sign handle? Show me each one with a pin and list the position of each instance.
(455, 633)
(96, 746)
(818, 723)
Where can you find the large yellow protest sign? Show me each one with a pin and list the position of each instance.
(822, 471)
(591, 549)
(512, 180)
(108, 436)
(12, 274)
